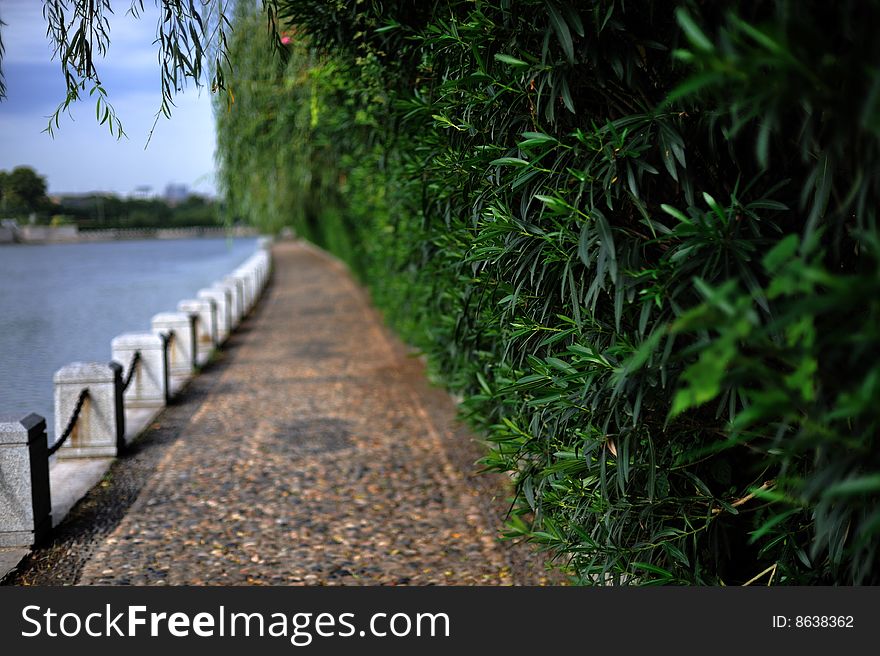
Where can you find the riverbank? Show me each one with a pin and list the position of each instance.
(312, 452)
(63, 303)
(12, 233)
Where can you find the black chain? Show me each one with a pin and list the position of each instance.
(70, 424)
(134, 362)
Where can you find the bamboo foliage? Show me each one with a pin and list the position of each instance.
(639, 239)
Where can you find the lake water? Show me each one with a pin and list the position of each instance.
(63, 303)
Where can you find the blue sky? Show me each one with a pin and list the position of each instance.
(83, 156)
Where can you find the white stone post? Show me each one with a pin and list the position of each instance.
(182, 346)
(25, 505)
(205, 311)
(237, 286)
(100, 430)
(221, 297)
(149, 383)
(253, 277)
(246, 292)
(248, 273)
(258, 264)
(265, 266)
(231, 290)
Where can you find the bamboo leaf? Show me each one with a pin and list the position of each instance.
(693, 33)
(562, 32)
(508, 161)
(511, 61)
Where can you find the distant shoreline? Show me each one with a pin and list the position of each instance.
(29, 234)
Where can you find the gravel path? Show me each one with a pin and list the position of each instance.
(314, 452)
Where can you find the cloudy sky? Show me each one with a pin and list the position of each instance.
(83, 156)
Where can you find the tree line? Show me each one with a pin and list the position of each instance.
(23, 198)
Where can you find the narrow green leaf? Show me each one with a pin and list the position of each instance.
(653, 569)
(562, 32)
(584, 243)
(512, 61)
(781, 253)
(483, 384)
(768, 526)
(693, 33)
(713, 204)
(508, 161)
(676, 213)
(388, 27)
(767, 205)
(854, 487)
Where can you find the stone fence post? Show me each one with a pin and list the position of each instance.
(247, 292)
(249, 271)
(237, 285)
(255, 265)
(221, 296)
(100, 430)
(205, 311)
(182, 349)
(262, 261)
(231, 288)
(25, 504)
(149, 383)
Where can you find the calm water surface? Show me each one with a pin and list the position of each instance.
(63, 303)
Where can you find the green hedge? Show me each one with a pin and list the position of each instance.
(640, 239)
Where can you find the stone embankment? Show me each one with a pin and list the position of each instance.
(101, 408)
(311, 451)
(12, 233)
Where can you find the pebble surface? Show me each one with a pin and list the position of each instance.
(316, 453)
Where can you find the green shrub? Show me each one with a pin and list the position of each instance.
(639, 238)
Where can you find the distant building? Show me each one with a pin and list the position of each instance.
(176, 193)
(142, 192)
